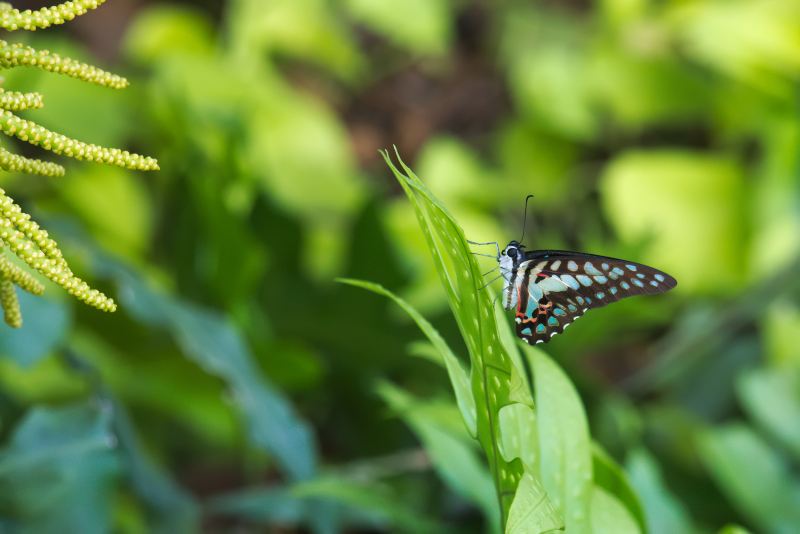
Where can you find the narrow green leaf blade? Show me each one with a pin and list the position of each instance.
(457, 374)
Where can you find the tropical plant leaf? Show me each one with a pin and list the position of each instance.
(565, 452)
(497, 379)
(456, 372)
(58, 470)
(609, 476)
(665, 514)
(609, 516)
(753, 476)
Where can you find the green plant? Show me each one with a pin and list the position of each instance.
(535, 436)
(21, 236)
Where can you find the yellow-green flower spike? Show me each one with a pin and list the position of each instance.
(59, 273)
(9, 271)
(37, 135)
(15, 55)
(14, 163)
(14, 19)
(10, 304)
(21, 221)
(15, 101)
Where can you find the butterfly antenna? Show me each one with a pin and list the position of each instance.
(525, 218)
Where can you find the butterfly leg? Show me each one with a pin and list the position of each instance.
(495, 243)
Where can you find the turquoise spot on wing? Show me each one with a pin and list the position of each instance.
(535, 292)
(532, 305)
(540, 329)
(572, 308)
(552, 321)
(600, 279)
(640, 275)
(654, 284)
(559, 312)
(637, 282)
(570, 281)
(588, 300)
(604, 266)
(600, 295)
(585, 280)
(580, 300)
(630, 267)
(526, 331)
(591, 269)
(572, 266)
(613, 290)
(624, 285)
(659, 277)
(552, 285)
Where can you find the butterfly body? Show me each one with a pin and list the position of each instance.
(548, 289)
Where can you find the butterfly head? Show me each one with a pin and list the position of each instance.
(512, 255)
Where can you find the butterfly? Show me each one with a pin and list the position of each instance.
(549, 289)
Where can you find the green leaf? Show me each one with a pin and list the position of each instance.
(609, 516)
(159, 31)
(665, 514)
(753, 476)
(58, 470)
(213, 343)
(565, 460)
(772, 398)
(609, 476)
(458, 377)
(492, 368)
(680, 201)
(422, 26)
(531, 511)
(451, 454)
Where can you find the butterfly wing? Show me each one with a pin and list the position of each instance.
(557, 287)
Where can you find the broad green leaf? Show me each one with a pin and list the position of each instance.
(609, 516)
(609, 476)
(213, 343)
(753, 476)
(733, 529)
(422, 26)
(452, 455)
(306, 29)
(58, 470)
(680, 201)
(665, 514)
(772, 398)
(781, 324)
(163, 30)
(44, 328)
(492, 368)
(769, 53)
(548, 82)
(565, 460)
(458, 377)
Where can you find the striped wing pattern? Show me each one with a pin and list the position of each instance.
(556, 287)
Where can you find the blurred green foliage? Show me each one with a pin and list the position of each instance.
(240, 387)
